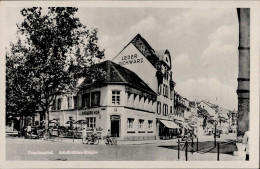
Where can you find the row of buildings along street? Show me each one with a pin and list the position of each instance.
(136, 100)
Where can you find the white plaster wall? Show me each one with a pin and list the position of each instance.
(145, 70)
(136, 115)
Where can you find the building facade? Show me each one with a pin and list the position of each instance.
(122, 103)
(154, 68)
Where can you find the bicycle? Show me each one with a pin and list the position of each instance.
(111, 140)
(91, 138)
(114, 141)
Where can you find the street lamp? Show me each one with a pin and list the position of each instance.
(215, 133)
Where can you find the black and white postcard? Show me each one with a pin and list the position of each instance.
(130, 84)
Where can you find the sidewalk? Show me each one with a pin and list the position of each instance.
(119, 142)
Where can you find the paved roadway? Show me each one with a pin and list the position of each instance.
(63, 150)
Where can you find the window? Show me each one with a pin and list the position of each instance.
(91, 122)
(150, 124)
(59, 104)
(69, 99)
(166, 91)
(159, 89)
(128, 96)
(53, 105)
(75, 99)
(158, 107)
(165, 109)
(166, 75)
(170, 109)
(116, 97)
(141, 124)
(86, 100)
(95, 99)
(171, 94)
(130, 123)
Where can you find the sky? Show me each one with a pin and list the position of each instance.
(203, 44)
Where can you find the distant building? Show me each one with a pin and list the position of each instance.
(203, 125)
(212, 109)
(233, 119)
(223, 120)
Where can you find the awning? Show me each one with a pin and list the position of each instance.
(170, 124)
(185, 125)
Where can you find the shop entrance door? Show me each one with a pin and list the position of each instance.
(115, 125)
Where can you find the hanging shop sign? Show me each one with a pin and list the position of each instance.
(90, 112)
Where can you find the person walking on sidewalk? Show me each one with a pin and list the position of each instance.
(246, 142)
(108, 139)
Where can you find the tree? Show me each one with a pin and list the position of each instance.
(53, 50)
(20, 101)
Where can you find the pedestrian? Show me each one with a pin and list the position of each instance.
(108, 140)
(84, 134)
(246, 142)
(29, 131)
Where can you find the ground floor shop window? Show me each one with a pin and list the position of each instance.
(91, 122)
(130, 123)
(141, 124)
(150, 124)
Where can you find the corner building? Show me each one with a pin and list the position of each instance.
(154, 68)
(121, 102)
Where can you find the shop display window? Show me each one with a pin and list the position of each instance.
(150, 124)
(91, 122)
(141, 124)
(130, 123)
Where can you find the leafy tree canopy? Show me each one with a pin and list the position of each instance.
(54, 49)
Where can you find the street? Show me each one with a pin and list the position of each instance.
(67, 150)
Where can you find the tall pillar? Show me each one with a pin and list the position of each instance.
(244, 70)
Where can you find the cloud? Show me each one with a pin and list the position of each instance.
(220, 57)
(211, 89)
(148, 24)
(225, 34)
(147, 27)
(181, 59)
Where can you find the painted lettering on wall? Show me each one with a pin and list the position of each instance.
(91, 112)
(131, 59)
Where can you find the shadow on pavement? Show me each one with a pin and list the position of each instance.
(224, 148)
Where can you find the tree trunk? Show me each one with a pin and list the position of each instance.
(21, 123)
(47, 119)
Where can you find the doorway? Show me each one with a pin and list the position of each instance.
(115, 125)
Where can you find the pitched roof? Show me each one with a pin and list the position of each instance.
(203, 112)
(160, 54)
(145, 48)
(116, 74)
(213, 106)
